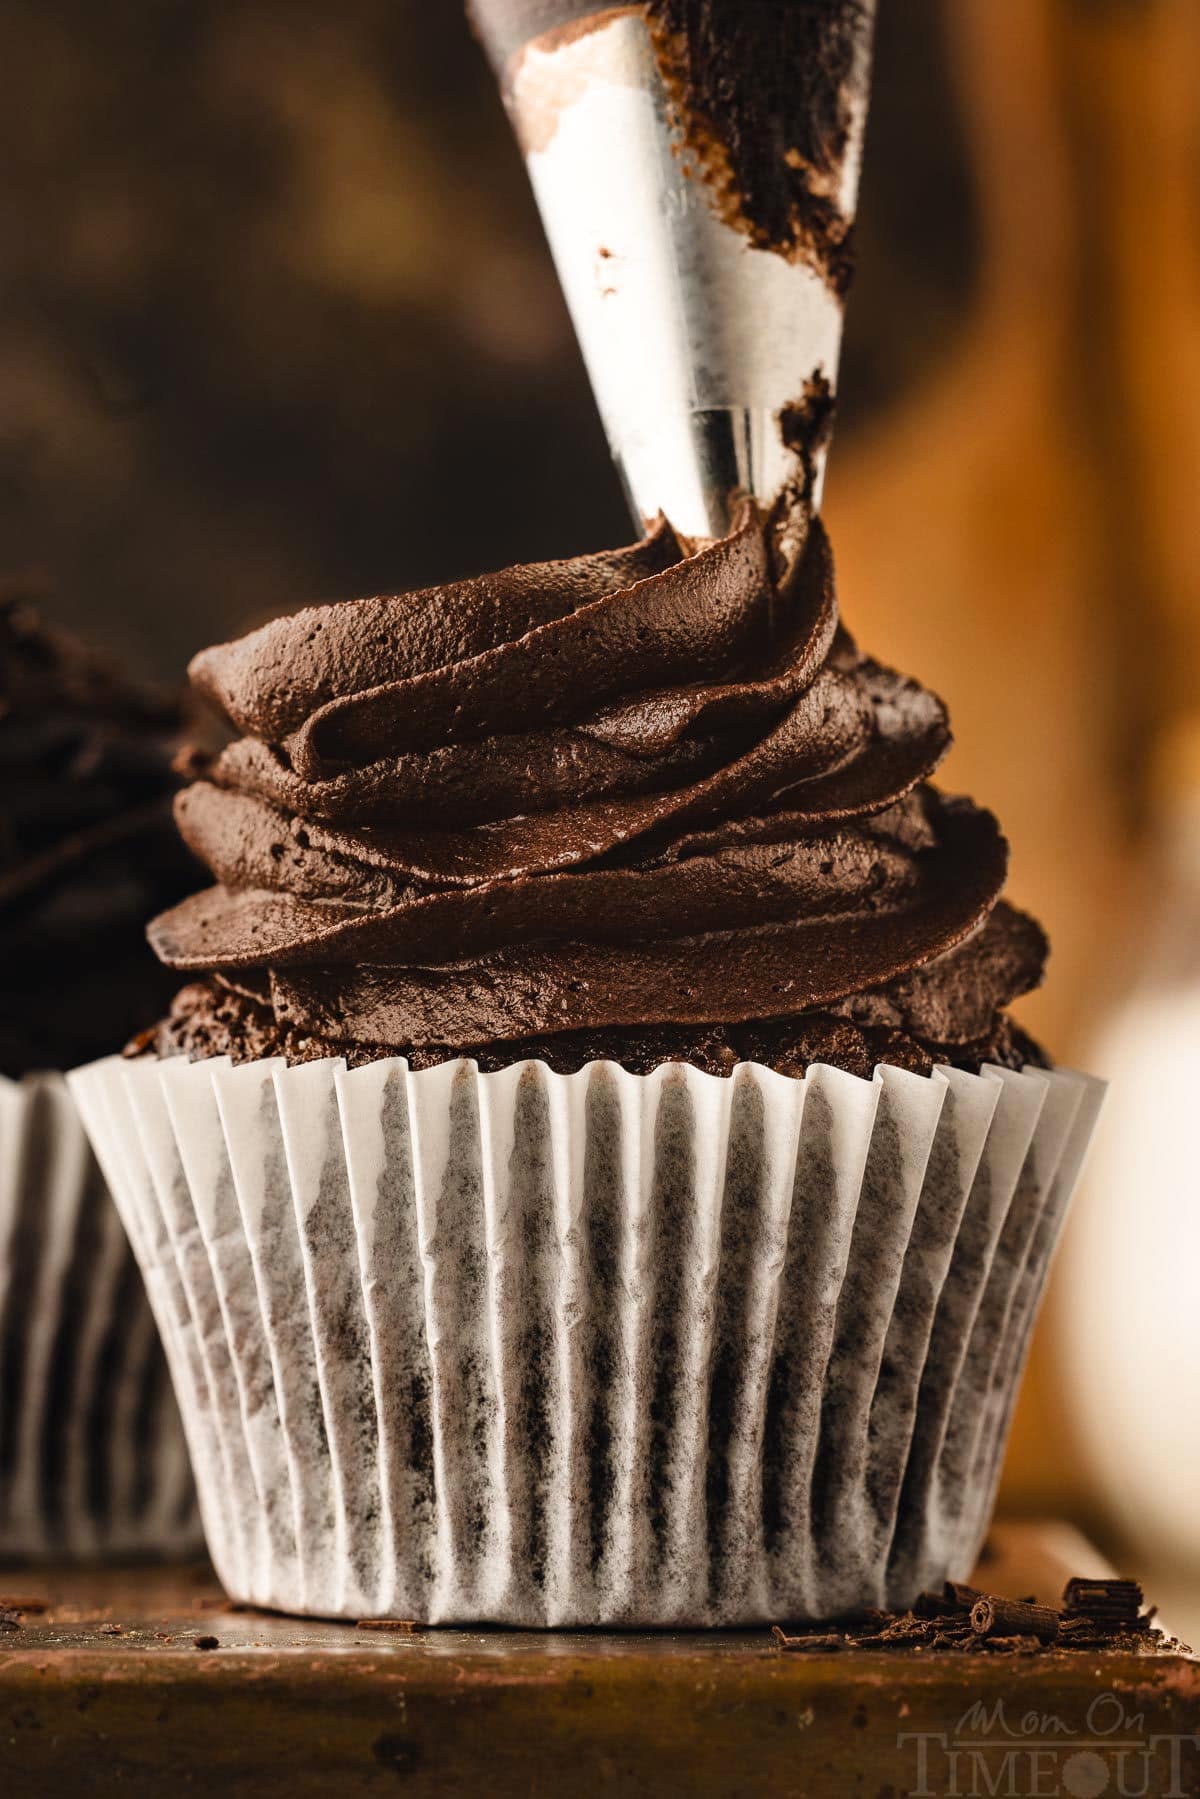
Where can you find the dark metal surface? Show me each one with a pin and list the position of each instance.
(109, 1691)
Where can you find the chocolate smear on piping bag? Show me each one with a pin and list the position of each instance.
(806, 426)
(765, 94)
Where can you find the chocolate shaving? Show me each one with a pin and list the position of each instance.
(1107, 1601)
(962, 1619)
(995, 1617)
(827, 1644)
(1018, 1645)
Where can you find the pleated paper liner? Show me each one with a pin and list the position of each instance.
(93, 1462)
(590, 1349)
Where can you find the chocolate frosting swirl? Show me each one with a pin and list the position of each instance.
(638, 803)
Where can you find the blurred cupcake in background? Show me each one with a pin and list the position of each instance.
(1131, 1256)
(92, 1456)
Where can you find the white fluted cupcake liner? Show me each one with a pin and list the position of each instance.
(596, 1348)
(93, 1461)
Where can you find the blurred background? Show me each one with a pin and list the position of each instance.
(277, 324)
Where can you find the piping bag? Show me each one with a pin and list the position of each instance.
(696, 164)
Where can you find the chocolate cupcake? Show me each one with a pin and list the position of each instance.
(92, 1457)
(600, 1026)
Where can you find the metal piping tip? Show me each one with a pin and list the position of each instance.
(694, 339)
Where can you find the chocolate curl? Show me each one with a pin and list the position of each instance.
(996, 1617)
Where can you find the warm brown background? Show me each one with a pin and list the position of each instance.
(276, 323)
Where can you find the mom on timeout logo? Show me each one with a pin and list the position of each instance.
(1039, 1755)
